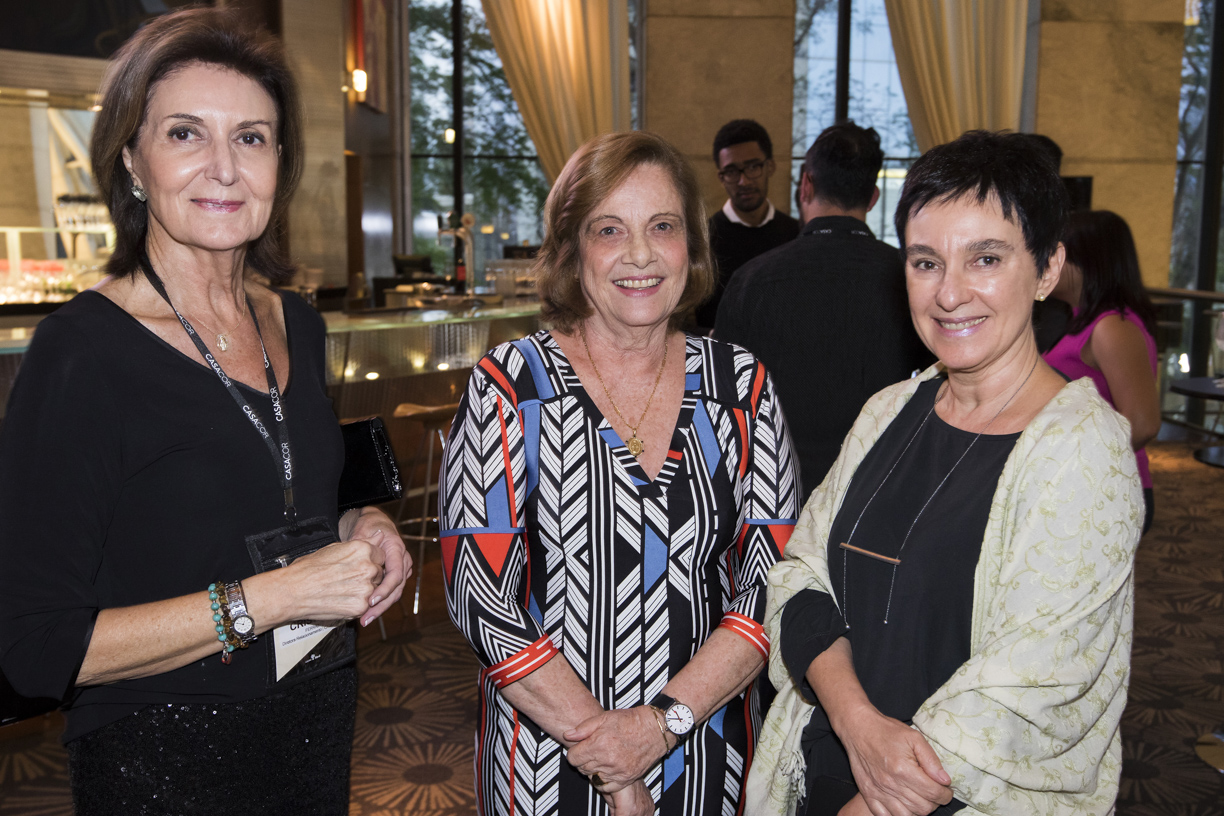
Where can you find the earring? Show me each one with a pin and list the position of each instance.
(139, 193)
(1041, 298)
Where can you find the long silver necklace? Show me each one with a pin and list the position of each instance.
(847, 548)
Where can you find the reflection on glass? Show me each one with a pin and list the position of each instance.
(492, 123)
(507, 195)
(1191, 141)
(503, 184)
(876, 97)
(431, 61)
(815, 70)
(431, 196)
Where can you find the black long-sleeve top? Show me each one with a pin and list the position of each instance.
(927, 599)
(828, 315)
(129, 475)
(732, 245)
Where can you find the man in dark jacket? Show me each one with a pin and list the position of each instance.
(827, 313)
(748, 224)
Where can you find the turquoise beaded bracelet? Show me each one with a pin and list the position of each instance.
(220, 611)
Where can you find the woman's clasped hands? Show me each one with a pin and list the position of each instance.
(359, 577)
(897, 771)
(616, 749)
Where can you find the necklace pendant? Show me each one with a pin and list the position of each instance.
(885, 558)
(222, 342)
(635, 445)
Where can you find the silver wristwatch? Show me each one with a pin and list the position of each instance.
(677, 716)
(240, 620)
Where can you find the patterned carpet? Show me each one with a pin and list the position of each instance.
(1177, 664)
(417, 706)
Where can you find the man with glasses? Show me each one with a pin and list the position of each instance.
(827, 313)
(748, 224)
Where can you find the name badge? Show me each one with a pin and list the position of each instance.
(298, 644)
(303, 649)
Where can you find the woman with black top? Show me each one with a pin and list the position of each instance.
(953, 614)
(169, 464)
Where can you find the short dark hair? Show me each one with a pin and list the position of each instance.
(591, 175)
(171, 42)
(738, 131)
(1008, 167)
(1100, 243)
(843, 165)
(1050, 147)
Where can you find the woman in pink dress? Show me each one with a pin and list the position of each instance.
(1109, 337)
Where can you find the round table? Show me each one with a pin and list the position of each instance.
(1203, 388)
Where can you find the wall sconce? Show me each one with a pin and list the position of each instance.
(449, 135)
(359, 81)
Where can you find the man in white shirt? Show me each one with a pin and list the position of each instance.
(748, 224)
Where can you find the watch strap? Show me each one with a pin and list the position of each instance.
(662, 703)
(234, 608)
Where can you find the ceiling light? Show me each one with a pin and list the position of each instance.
(371, 375)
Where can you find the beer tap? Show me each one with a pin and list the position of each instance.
(465, 271)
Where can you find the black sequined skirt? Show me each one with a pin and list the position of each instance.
(287, 753)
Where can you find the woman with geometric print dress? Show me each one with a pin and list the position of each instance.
(614, 494)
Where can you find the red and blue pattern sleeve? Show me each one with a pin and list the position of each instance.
(481, 516)
(771, 505)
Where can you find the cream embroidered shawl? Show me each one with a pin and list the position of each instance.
(1029, 725)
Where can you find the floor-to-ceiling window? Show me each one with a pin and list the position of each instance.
(874, 95)
(1191, 145)
(503, 184)
(1193, 343)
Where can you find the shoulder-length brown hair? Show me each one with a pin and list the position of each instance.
(592, 174)
(170, 42)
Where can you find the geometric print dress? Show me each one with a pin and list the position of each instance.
(554, 542)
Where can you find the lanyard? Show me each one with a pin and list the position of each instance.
(282, 455)
(861, 233)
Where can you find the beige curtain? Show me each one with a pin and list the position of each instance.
(961, 64)
(567, 62)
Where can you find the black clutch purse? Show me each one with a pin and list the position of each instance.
(370, 474)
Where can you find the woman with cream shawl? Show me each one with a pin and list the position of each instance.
(951, 624)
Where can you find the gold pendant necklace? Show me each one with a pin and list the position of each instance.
(224, 341)
(634, 445)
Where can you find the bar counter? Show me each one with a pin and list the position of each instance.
(376, 360)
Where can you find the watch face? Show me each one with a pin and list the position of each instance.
(243, 625)
(679, 719)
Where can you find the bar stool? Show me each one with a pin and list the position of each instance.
(435, 422)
